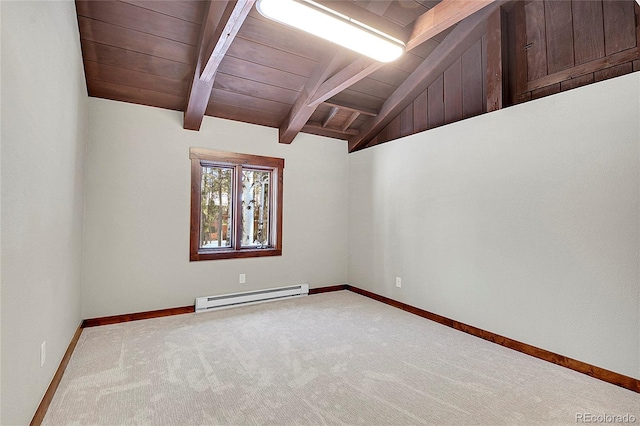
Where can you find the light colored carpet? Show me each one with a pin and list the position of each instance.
(333, 358)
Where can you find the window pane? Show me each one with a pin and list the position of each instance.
(215, 223)
(255, 207)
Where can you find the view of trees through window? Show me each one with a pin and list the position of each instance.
(216, 222)
(255, 207)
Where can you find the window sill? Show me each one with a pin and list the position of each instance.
(233, 254)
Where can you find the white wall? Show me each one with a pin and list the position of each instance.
(524, 222)
(43, 142)
(136, 244)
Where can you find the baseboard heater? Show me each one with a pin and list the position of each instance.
(205, 304)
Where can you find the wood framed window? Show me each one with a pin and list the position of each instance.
(236, 205)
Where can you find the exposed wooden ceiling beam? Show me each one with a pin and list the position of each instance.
(300, 112)
(221, 24)
(332, 113)
(360, 110)
(354, 115)
(431, 23)
(314, 125)
(453, 46)
(444, 15)
(235, 14)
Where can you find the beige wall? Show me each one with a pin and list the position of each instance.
(43, 143)
(524, 222)
(136, 243)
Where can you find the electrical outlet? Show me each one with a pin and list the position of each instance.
(242, 279)
(43, 353)
(398, 282)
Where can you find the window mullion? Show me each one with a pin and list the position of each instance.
(237, 213)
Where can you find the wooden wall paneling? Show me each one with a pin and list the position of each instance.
(393, 129)
(420, 121)
(406, 121)
(484, 73)
(493, 48)
(122, 58)
(536, 40)
(435, 96)
(612, 72)
(626, 56)
(636, 65)
(473, 81)
(559, 33)
(134, 79)
(112, 35)
(588, 30)
(453, 92)
(545, 91)
(143, 20)
(519, 51)
(576, 82)
(619, 25)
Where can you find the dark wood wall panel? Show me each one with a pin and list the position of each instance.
(585, 41)
(420, 122)
(406, 121)
(619, 25)
(536, 40)
(576, 82)
(616, 71)
(453, 92)
(435, 99)
(473, 81)
(588, 31)
(559, 34)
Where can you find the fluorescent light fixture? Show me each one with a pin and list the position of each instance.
(328, 24)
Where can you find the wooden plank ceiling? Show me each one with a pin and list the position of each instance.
(224, 59)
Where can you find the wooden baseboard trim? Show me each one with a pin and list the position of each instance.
(582, 367)
(115, 319)
(38, 417)
(328, 289)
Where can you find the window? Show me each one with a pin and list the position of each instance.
(236, 205)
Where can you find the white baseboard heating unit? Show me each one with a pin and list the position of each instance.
(205, 304)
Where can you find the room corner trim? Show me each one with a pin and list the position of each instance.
(38, 417)
(608, 376)
(115, 319)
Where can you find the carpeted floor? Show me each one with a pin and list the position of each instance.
(333, 358)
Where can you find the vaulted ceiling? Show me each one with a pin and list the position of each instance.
(223, 59)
